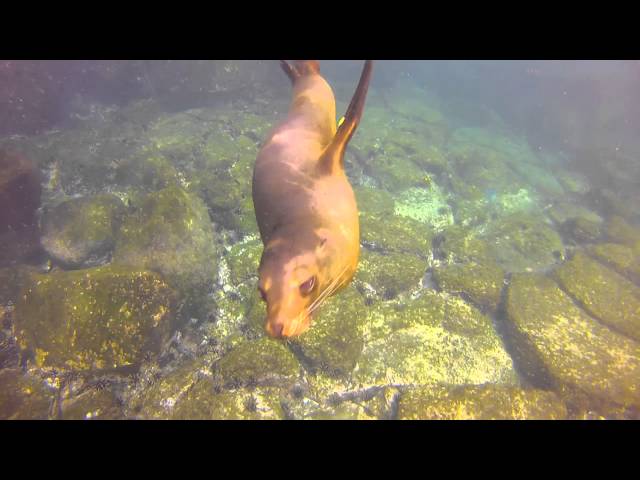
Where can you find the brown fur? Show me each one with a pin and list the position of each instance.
(304, 204)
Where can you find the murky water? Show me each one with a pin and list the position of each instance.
(499, 267)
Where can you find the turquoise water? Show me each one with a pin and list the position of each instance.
(499, 273)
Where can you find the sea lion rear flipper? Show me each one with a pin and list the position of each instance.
(299, 68)
(333, 156)
(289, 70)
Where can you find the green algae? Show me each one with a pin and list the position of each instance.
(619, 231)
(395, 234)
(244, 259)
(264, 361)
(427, 205)
(23, 397)
(482, 402)
(80, 232)
(481, 283)
(556, 343)
(619, 257)
(170, 232)
(101, 318)
(606, 295)
(334, 342)
(390, 274)
(93, 405)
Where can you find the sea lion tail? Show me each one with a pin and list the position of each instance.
(333, 156)
(300, 68)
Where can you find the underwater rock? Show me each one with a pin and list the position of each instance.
(93, 405)
(373, 201)
(79, 233)
(334, 342)
(244, 259)
(581, 230)
(482, 402)
(611, 204)
(458, 244)
(524, 243)
(432, 339)
(573, 182)
(560, 212)
(101, 318)
(619, 231)
(621, 258)
(257, 362)
(157, 399)
(603, 293)
(480, 282)
(170, 232)
(23, 397)
(150, 172)
(556, 343)
(427, 205)
(390, 274)
(392, 233)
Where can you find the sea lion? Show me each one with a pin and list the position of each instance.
(304, 203)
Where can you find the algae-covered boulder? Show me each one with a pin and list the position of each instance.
(556, 343)
(262, 362)
(147, 171)
(101, 318)
(481, 402)
(428, 205)
(619, 231)
(429, 340)
(480, 282)
(23, 397)
(334, 342)
(170, 233)
(80, 233)
(524, 243)
(581, 230)
(605, 294)
(92, 405)
(621, 258)
(390, 274)
(373, 201)
(243, 260)
(392, 233)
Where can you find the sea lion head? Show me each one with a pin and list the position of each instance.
(293, 282)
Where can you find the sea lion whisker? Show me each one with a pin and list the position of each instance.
(324, 293)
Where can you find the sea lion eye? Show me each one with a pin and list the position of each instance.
(263, 295)
(307, 286)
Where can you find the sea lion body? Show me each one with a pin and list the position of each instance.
(305, 206)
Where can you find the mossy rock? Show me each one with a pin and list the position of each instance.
(433, 339)
(605, 294)
(393, 170)
(555, 343)
(93, 405)
(619, 231)
(101, 318)
(460, 245)
(159, 399)
(427, 205)
(524, 243)
(23, 397)
(170, 233)
(244, 259)
(481, 402)
(79, 233)
(334, 341)
(621, 258)
(480, 282)
(560, 212)
(390, 274)
(150, 172)
(373, 201)
(581, 230)
(391, 233)
(256, 362)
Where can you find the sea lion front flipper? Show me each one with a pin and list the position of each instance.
(333, 156)
(290, 70)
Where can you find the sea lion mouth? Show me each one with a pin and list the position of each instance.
(288, 328)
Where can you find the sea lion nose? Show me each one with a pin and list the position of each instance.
(275, 328)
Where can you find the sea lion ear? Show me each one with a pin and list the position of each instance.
(322, 242)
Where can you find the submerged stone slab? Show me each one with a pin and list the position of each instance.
(555, 342)
(23, 397)
(606, 295)
(481, 283)
(100, 318)
(479, 402)
(621, 258)
(432, 339)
